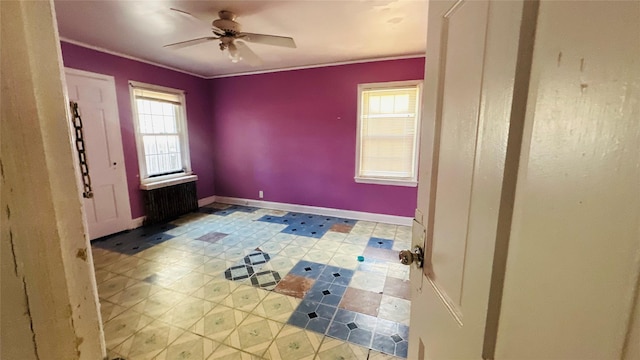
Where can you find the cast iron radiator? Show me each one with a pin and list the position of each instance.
(169, 202)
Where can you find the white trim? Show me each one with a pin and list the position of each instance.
(348, 214)
(206, 201)
(119, 54)
(137, 222)
(413, 182)
(159, 88)
(338, 63)
(90, 74)
(168, 182)
(394, 182)
(115, 53)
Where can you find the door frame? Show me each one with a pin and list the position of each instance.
(111, 80)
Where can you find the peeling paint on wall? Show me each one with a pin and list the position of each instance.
(82, 254)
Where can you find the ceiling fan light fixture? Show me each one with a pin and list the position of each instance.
(234, 59)
(234, 55)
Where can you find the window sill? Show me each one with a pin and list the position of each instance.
(168, 182)
(392, 182)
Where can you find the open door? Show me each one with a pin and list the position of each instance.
(107, 209)
(478, 61)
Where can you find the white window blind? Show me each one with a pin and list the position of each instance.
(161, 132)
(388, 132)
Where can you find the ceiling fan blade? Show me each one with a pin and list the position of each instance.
(201, 16)
(268, 39)
(247, 54)
(183, 44)
(184, 12)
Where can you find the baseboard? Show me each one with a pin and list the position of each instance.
(348, 214)
(206, 201)
(137, 222)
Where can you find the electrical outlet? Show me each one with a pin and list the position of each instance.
(260, 194)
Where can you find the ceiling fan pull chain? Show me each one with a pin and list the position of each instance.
(82, 157)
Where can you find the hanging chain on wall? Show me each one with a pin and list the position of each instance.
(82, 157)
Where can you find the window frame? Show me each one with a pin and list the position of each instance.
(396, 181)
(147, 182)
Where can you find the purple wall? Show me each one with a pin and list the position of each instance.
(198, 112)
(292, 134)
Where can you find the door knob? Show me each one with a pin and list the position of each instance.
(408, 257)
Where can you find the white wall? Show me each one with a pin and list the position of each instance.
(574, 252)
(49, 298)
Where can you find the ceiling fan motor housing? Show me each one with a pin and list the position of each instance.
(226, 23)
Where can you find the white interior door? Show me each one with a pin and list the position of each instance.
(465, 175)
(108, 211)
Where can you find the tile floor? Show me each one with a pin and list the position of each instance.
(235, 282)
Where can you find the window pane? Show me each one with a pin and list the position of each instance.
(170, 124)
(156, 107)
(401, 103)
(150, 147)
(386, 104)
(158, 124)
(374, 104)
(167, 109)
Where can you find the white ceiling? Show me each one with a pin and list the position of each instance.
(326, 31)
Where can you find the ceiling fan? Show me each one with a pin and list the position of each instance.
(227, 30)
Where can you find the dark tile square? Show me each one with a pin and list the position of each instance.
(239, 272)
(326, 293)
(312, 316)
(307, 269)
(363, 321)
(344, 316)
(158, 238)
(402, 349)
(226, 210)
(298, 319)
(360, 337)
(336, 275)
(319, 325)
(267, 279)
(352, 326)
(390, 328)
(391, 338)
(338, 330)
(379, 243)
(384, 344)
(256, 258)
(366, 322)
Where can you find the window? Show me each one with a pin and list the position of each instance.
(388, 128)
(161, 132)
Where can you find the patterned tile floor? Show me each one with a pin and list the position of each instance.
(235, 282)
